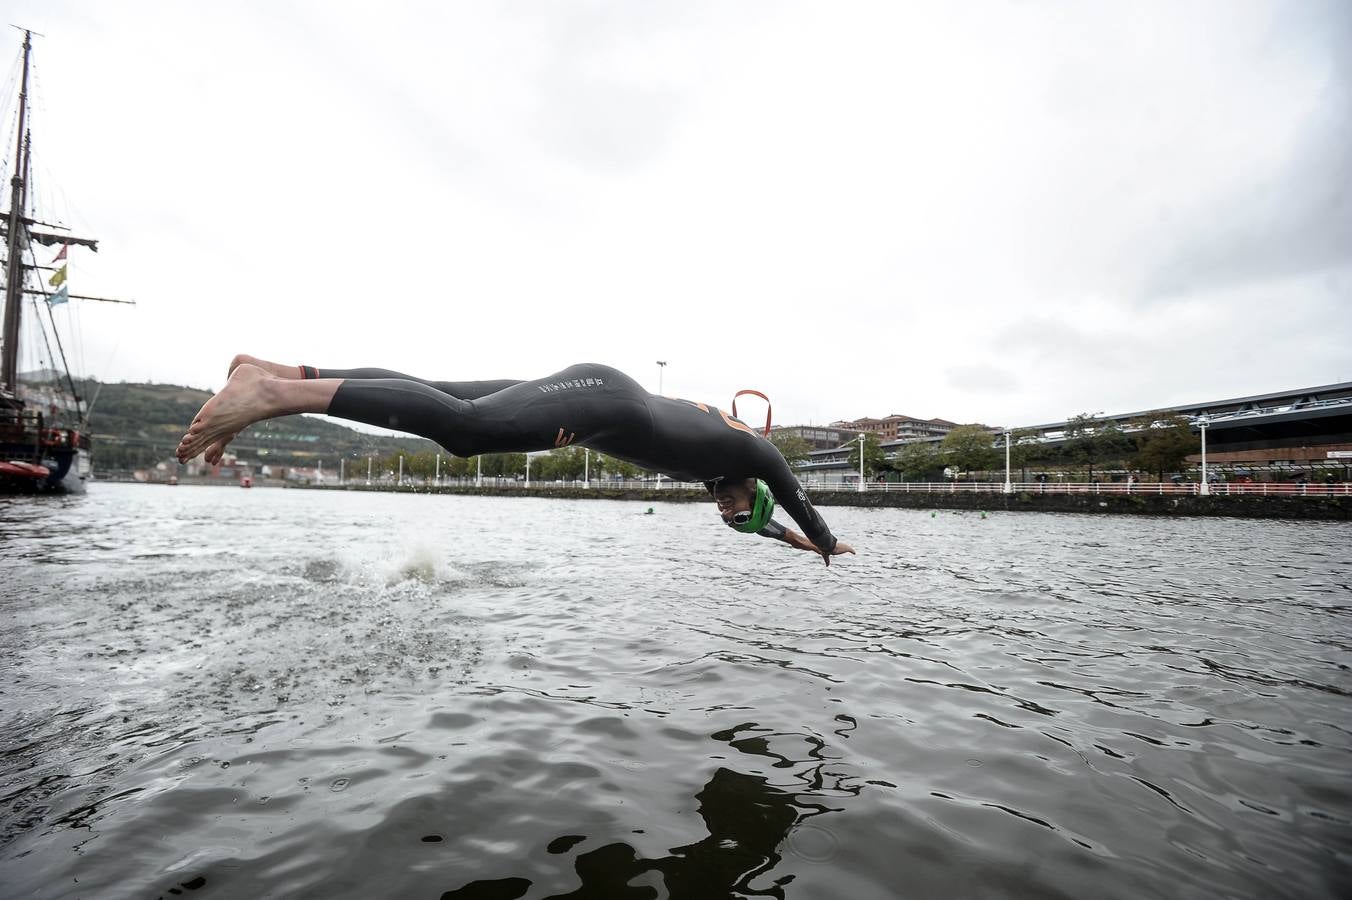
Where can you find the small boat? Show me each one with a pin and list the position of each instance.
(20, 470)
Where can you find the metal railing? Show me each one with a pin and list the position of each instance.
(409, 481)
(1222, 488)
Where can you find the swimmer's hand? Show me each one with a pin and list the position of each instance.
(841, 547)
(799, 542)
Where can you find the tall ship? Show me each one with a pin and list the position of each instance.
(44, 422)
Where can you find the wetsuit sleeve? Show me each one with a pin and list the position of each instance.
(773, 529)
(791, 497)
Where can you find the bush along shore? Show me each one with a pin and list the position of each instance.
(1253, 506)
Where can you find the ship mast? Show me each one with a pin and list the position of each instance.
(9, 366)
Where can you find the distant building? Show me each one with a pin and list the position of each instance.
(899, 428)
(831, 444)
(819, 437)
(1301, 433)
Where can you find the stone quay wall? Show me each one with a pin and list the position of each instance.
(1255, 506)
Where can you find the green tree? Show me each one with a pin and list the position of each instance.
(1163, 440)
(794, 448)
(564, 463)
(919, 461)
(1092, 441)
(613, 467)
(875, 460)
(969, 448)
(420, 465)
(506, 465)
(1025, 445)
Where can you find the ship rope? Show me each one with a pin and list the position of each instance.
(50, 360)
(40, 301)
(11, 111)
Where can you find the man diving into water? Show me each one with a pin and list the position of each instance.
(588, 405)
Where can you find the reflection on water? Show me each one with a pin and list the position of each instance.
(749, 819)
(225, 693)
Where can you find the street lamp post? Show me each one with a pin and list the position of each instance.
(1009, 486)
(661, 368)
(527, 470)
(478, 470)
(862, 486)
(1202, 423)
(586, 466)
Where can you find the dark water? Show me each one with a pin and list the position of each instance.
(225, 693)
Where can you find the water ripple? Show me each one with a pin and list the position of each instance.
(434, 696)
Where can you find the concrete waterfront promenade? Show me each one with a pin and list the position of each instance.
(1279, 501)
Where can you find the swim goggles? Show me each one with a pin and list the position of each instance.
(761, 510)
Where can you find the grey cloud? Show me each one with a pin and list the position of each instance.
(1098, 345)
(982, 379)
(593, 111)
(604, 125)
(1291, 221)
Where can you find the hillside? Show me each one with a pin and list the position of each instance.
(138, 425)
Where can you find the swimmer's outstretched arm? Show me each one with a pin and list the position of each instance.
(799, 542)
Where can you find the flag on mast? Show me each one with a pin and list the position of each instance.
(61, 254)
(60, 277)
(59, 296)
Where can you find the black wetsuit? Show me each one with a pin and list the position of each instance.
(588, 405)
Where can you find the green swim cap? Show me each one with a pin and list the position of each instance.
(761, 510)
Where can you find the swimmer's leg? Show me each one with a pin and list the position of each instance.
(251, 395)
(464, 390)
(576, 404)
(496, 422)
(586, 401)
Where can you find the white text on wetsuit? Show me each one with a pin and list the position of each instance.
(570, 385)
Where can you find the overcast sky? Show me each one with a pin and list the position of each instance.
(998, 212)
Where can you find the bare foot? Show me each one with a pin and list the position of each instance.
(245, 399)
(216, 452)
(276, 369)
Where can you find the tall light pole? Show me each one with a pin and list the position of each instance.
(661, 368)
(586, 466)
(862, 486)
(478, 470)
(1009, 486)
(527, 470)
(1202, 423)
